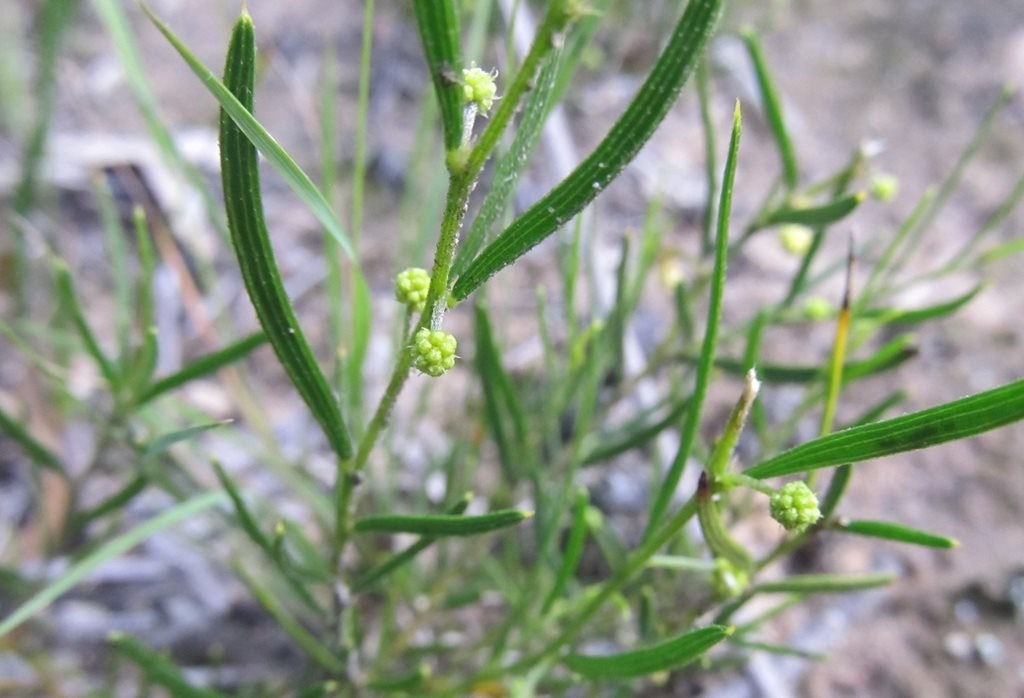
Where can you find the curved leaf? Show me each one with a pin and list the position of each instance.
(159, 668)
(825, 583)
(663, 656)
(251, 240)
(442, 524)
(830, 212)
(889, 356)
(668, 486)
(931, 312)
(772, 109)
(438, 22)
(203, 366)
(897, 532)
(949, 422)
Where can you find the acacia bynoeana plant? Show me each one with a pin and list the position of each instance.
(341, 585)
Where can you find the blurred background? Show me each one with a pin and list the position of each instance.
(910, 79)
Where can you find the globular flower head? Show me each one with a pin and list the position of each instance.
(817, 308)
(435, 351)
(411, 286)
(728, 579)
(795, 506)
(884, 187)
(479, 87)
(796, 239)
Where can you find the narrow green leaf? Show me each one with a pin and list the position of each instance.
(55, 16)
(773, 110)
(438, 22)
(442, 524)
(413, 682)
(897, 532)
(117, 258)
(109, 550)
(233, 110)
(115, 502)
(684, 316)
(362, 318)
(615, 323)
(663, 656)
(302, 555)
(634, 434)
(1001, 251)
(163, 442)
(400, 558)
(203, 366)
(825, 214)
(143, 363)
(710, 156)
(251, 240)
(310, 643)
(573, 550)
(242, 513)
(668, 486)
(772, 648)
(889, 356)
(627, 136)
(158, 668)
(798, 284)
(680, 563)
(580, 38)
(825, 583)
(36, 451)
(994, 221)
(932, 312)
(504, 414)
(953, 179)
(949, 422)
(836, 489)
(69, 299)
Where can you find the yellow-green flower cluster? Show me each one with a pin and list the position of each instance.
(479, 87)
(411, 287)
(435, 351)
(796, 239)
(795, 506)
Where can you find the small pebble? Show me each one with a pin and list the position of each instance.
(966, 611)
(958, 645)
(990, 649)
(1016, 594)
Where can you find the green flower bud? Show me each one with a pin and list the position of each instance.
(817, 308)
(884, 187)
(727, 579)
(411, 287)
(796, 239)
(479, 87)
(795, 506)
(435, 351)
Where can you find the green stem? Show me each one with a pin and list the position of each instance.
(348, 472)
(734, 479)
